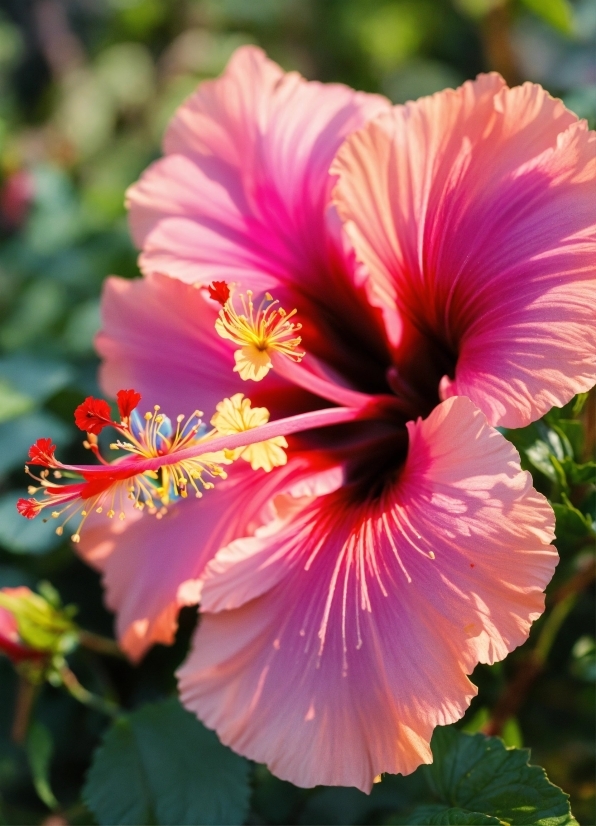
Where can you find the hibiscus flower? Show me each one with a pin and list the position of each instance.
(434, 267)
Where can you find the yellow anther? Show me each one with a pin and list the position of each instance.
(235, 415)
(258, 332)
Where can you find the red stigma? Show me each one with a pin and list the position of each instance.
(42, 453)
(93, 415)
(127, 401)
(29, 508)
(219, 291)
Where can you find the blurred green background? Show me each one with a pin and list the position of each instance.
(86, 89)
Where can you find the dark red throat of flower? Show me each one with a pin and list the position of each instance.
(219, 291)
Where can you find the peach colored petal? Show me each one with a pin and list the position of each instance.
(353, 637)
(475, 213)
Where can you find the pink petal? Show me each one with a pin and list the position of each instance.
(152, 567)
(243, 189)
(360, 642)
(159, 337)
(474, 211)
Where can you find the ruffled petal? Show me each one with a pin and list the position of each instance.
(158, 336)
(152, 567)
(474, 212)
(243, 191)
(375, 610)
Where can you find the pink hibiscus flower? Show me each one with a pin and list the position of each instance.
(348, 592)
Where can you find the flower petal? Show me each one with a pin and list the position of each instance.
(152, 567)
(243, 191)
(374, 610)
(159, 336)
(474, 212)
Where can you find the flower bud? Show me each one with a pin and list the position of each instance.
(32, 627)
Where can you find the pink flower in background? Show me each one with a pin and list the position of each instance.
(349, 592)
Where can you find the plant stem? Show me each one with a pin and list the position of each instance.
(99, 644)
(26, 694)
(80, 693)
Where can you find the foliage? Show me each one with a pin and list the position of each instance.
(87, 89)
(160, 765)
(478, 780)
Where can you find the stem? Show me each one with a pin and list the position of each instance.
(82, 695)
(99, 644)
(26, 694)
(496, 36)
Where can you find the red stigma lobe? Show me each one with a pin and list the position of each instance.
(127, 401)
(219, 291)
(93, 415)
(29, 508)
(42, 453)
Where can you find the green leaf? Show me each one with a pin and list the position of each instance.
(573, 431)
(12, 402)
(438, 815)
(478, 780)
(160, 765)
(557, 13)
(511, 734)
(541, 444)
(39, 753)
(571, 522)
(582, 474)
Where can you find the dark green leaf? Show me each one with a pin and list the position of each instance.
(478, 780)
(582, 474)
(160, 765)
(438, 815)
(573, 431)
(570, 521)
(39, 754)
